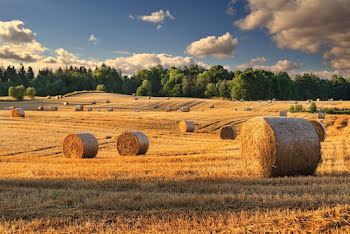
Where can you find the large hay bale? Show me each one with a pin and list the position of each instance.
(53, 108)
(66, 103)
(110, 109)
(283, 113)
(81, 145)
(132, 143)
(184, 109)
(186, 126)
(321, 115)
(79, 108)
(228, 132)
(168, 109)
(320, 129)
(108, 101)
(211, 106)
(93, 102)
(155, 106)
(17, 112)
(275, 146)
(40, 108)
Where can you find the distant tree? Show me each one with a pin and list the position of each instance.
(211, 90)
(17, 92)
(291, 109)
(30, 92)
(313, 107)
(145, 89)
(101, 87)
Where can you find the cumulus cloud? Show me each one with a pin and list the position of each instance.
(282, 65)
(308, 25)
(92, 38)
(13, 32)
(157, 16)
(220, 47)
(230, 10)
(251, 63)
(7, 52)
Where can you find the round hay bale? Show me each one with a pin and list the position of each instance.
(247, 109)
(136, 110)
(186, 126)
(233, 99)
(168, 98)
(269, 101)
(57, 97)
(149, 97)
(40, 108)
(168, 109)
(79, 108)
(317, 100)
(228, 132)
(110, 109)
(108, 101)
(136, 98)
(48, 97)
(17, 112)
(134, 94)
(155, 106)
(81, 145)
(93, 102)
(331, 99)
(234, 109)
(89, 109)
(132, 143)
(242, 100)
(283, 113)
(184, 109)
(275, 146)
(211, 106)
(274, 99)
(53, 108)
(320, 129)
(296, 102)
(321, 115)
(11, 108)
(200, 110)
(66, 103)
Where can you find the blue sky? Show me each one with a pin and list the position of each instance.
(117, 26)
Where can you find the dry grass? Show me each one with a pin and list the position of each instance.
(186, 181)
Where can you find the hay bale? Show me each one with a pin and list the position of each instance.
(247, 109)
(53, 108)
(66, 103)
(134, 94)
(259, 101)
(89, 109)
(79, 108)
(233, 99)
(308, 101)
(11, 108)
(17, 112)
(184, 109)
(93, 102)
(48, 97)
(296, 102)
(340, 99)
(275, 146)
(317, 100)
(331, 99)
(132, 143)
(269, 101)
(211, 106)
(200, 110)
(283, 113)
(234, 109)
(186, 126)
(228, 132)
(149, 97)
(274, 99)
(108, 101)
(81, 145)
(155, 106)
(168, 98)
(321, 115)
(57, 97)
(242, 100)
(110, 109)
(40, 108)
(137, 110)
(168, 109)
(136, 98)
(320, 129)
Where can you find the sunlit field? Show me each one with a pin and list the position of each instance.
(187, 182)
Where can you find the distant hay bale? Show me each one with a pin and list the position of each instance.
(136, 98)
(40, 108)
(168, 109)
(108, 101)
(331, 99)
(79, 108)
(184, 109)
(110, 109)
(296, 102)
(234, 109)
(228, 132)
(274, 99)
(89, 109)
(93, 102)
(269, 101)
(283, 113)
(155, 106)
(233, 99)
(149, 97)
(211, 106)
(247, 109)
(308, 101)
(321, 115)
(53, 108)
(340, 99)
(81, 145)
(168, 98)
(66, 103)
(48, 97)
(200, 110)
(317, 100)
(137, 110)
(17, 112)
(133, 94)
(320, 129)
(57, 97)
(242, 100)
(275, 146)
(186, 126)
(259, 101)
(11, 108)
(132, 143)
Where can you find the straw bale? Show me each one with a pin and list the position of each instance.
(228, 132)
(247, 109)
(186, 126)
(320, 129)
(108, 101)
(66, 103)
(211, 106)
(53, 108)
(276, 146)
(79, 108)
(110, 109)
(321, 115)
(168, 109)
(283, 113)
(132, 143)
(184, 109)
(17, 112)
(93, 102)
(89, 109)
(155, 106)
(81, 145)
(40, 108)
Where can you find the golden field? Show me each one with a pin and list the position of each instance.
(187, 182)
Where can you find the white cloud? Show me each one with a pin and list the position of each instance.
(282, 65)
(159, 26)
(251, 63)
(131, 16)
(305, 25)
(157, 16)
(220, 47)
(13, 32)
(230, 10)
(121, 52)
(92, 38)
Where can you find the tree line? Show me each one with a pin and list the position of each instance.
(189, 81)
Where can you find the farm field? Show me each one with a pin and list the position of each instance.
(187, 182)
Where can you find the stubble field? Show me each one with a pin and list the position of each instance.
(187, 182)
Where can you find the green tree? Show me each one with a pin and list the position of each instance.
(145, 89)
(30, 92)
(291, 109)
(313, 107)
(17, 93)
(211, 90)
(101, 87)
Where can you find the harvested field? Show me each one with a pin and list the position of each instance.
(186, 181)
